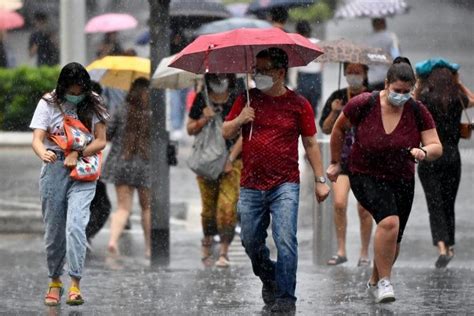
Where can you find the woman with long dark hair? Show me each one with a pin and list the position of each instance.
(392, 131)
(65, 202)
(128, 163)
(438, 87)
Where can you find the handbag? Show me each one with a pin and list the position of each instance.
(465, 129)
(209, 152)
(76, 138)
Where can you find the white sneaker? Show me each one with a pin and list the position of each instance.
(371, 289)
(384, 291)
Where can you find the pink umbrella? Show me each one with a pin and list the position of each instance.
(235, 51)
(110, 22)
(10, 20)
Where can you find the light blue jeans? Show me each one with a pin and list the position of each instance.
(65, 205)
(177, 107)
(255, 208)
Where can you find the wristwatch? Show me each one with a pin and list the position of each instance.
(320, 179)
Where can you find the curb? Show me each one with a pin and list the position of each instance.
(15, 139)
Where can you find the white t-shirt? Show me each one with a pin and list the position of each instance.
(49, 118)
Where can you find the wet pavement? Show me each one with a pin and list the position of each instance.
(126, 285)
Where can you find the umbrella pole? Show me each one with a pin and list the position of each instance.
(248, 95)
(339, 80)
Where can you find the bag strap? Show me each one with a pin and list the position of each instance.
(464, 109)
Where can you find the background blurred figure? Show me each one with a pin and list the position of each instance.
(278, 16)
(308, 79)
(356, 76)
(177, 98)
(100, 205)
(127, 165)
(3, 51)
(110, 45)
(42, 43)
(439, 89)
(388, 41)
(219, 197)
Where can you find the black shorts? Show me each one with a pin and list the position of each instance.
(383, 198)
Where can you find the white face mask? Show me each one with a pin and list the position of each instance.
(355, 81)
(263, 82)
(220, 87)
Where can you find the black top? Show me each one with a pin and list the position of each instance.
(221, 109)
(48, 53)
(447, 122)
(336, 95)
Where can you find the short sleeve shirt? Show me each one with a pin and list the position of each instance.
(49, 118)
(377, 153)
(270, 157)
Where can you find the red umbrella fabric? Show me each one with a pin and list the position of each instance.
(111, 22)
(235, 51)
(10, 20)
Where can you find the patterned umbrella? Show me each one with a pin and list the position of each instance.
(371, 9)
(345, 51)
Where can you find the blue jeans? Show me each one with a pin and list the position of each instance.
(65, 205)
(177, 107)
(255, 208)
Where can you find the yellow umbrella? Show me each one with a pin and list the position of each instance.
(119, 71)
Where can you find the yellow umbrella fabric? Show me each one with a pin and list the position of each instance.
(119, 71)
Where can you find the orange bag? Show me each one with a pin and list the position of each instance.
(76, 138)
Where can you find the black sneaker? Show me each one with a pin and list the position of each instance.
(268, 292)
(283, 306)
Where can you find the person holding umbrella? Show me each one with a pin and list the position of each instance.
(389, 127)
(356, 76)
(270, 128)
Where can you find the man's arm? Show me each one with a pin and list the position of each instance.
(313, 152)
(230, 129)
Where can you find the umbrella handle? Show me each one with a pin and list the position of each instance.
(248, 96)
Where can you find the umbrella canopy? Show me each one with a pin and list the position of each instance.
(231, 24)
(371, 9)
(110, 22)
(10, 5)
(172, 78)
(257, 6)
(10, 20)
(119, 71)
(197, 11)
(343, 50)
(235, 51)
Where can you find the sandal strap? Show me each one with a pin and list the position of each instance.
(74, 291)
(54, 285)
(52, 297)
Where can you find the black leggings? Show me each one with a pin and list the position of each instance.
(440, 181)
(383, 198)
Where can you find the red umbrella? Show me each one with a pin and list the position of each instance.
(235, 51)
(10, 20)
(110, 22)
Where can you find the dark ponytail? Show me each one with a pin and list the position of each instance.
(401, 70)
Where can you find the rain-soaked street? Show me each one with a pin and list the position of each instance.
(125, 285)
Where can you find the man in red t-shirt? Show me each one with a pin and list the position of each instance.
(271, 126)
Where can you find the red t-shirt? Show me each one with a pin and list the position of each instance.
(270, 158)
(377, 153)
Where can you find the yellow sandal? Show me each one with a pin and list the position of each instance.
(57, 299)
(74, 296)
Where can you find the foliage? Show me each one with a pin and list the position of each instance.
(20, 90)
(318, 12)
